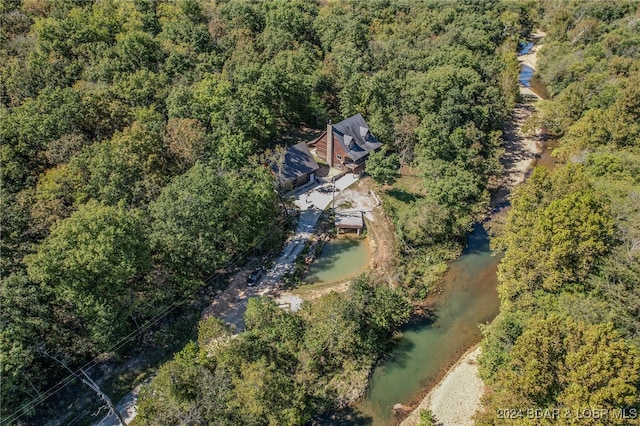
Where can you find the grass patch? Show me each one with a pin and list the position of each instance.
(404, 191)
(424, 243)
(402, 195)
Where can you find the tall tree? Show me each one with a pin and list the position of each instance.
(204, 219)
(383, 166)
(88, 265)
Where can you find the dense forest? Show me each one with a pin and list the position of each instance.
(283, 368)
(133, 137)
(568, 334)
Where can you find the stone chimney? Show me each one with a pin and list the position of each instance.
(330, 144)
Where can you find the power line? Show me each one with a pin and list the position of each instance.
(42, 397)
(70, 378)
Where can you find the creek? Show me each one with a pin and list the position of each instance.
(427, 348)
(528, 78)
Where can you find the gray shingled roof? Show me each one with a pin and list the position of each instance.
(298, 161)
(349, 220)
(353, 133)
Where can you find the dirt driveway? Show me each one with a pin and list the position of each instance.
(311, 200)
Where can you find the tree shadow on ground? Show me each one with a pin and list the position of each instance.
(348, 416)
(404, 196)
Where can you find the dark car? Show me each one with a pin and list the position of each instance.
(327, 188)
(255, 276)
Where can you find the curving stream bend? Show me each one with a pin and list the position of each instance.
(469, 298)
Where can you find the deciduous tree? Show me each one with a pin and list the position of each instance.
(88, 264)
(383, 166)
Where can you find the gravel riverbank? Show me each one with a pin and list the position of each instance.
(456, 398)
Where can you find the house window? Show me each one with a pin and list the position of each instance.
(339, 157)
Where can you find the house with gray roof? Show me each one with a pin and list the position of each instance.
(296, 168)
(347, 144)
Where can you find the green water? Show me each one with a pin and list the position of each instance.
(427, 349)
(339, 260)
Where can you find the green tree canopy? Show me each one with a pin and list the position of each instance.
(572, 363)
(204, 219)
(383, 167)
(88, 264)
(553, 243)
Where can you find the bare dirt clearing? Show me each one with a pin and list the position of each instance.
(380, 234)
(379, 229)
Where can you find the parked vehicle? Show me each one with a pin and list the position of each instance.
(255, 275)
(327, 188)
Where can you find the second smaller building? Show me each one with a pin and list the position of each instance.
(298, 167)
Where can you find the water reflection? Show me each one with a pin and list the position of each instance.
(526, 74)
(477, 240)
(525, 48)
(528, 78)
(430, 345)
(340, 259)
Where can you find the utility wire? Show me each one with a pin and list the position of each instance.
(28, 406)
